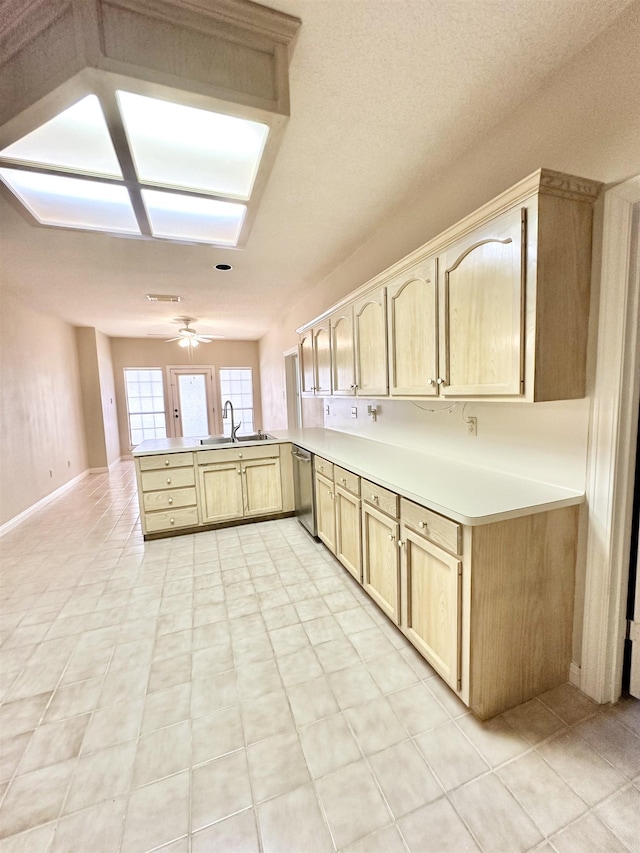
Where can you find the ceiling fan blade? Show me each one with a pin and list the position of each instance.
(201, 340)
(169, 340)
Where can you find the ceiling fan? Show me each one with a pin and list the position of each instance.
(187, 336)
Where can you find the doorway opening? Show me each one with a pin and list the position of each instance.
(292, 389)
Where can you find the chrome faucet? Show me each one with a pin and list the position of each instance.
(225, 414)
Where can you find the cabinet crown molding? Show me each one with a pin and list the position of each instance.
(541, 182)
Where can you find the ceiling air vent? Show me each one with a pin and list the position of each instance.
(160, 297)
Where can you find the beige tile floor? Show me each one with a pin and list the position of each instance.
(237, 691)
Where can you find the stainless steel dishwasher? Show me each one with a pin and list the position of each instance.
(303, 489)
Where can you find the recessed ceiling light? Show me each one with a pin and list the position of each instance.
(224, 267)
(160, 297)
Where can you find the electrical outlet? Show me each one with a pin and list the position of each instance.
(354, 412)
(472, 426)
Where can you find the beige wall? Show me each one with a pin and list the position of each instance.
(98, 397)
(585, 120)
(138, 352)
(108, 398)
(41, 421)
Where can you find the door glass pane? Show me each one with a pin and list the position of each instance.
(193, 404)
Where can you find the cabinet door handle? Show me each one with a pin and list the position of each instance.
(431, 381)
(244, 470)
(391, 537)
(169, 480)
(400, 543)
(238, 471)
(166, 461)
(440, 381)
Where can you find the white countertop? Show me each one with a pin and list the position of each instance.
(463, 492)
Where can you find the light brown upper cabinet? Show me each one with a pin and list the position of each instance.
(343, 363)
(494, 308)
(370, 323)
(315, 361)
(307, 364)
(412, 301)
(482, 281)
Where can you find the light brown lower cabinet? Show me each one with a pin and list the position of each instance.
(432, 603)
(326, 511)
(490, 607)
(381, 560)
(338, 514)
(349, 531)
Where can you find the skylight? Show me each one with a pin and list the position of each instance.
(77, 140)
(184, 147)
(184, 217)
(212, 158)
(73, 202)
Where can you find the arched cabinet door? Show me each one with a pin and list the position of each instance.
(343, 367)
(412, 316)
(307, 369)
(482, 296)
(322, 355)
(370, 318)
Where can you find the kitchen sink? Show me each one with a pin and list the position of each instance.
(224, 439)
(216, 439)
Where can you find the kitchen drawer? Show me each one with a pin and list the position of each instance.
(348, 481)
(168, 460)
(382, 498)
(233, 454)
(172, 519)
(438, 529)
(153, 481)
(323, 467)
(169, 498)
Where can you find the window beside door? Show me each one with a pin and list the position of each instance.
(145, 404)
(236, 384)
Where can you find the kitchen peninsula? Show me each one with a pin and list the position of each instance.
(474, 566)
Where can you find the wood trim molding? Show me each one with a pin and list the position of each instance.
(613, 431)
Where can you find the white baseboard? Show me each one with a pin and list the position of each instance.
(22, 516)
(575, 675)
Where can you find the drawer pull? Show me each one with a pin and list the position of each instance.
(374, 498)
(166, 462)
(239, 455)
(422, 525)
(170, 500)
(169, 480)
(172, 521)
(343, 480)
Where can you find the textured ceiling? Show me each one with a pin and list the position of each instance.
(385, 94)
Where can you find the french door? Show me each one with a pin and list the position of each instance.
(193, 401)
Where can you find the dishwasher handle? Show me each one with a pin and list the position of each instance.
(301, 458)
